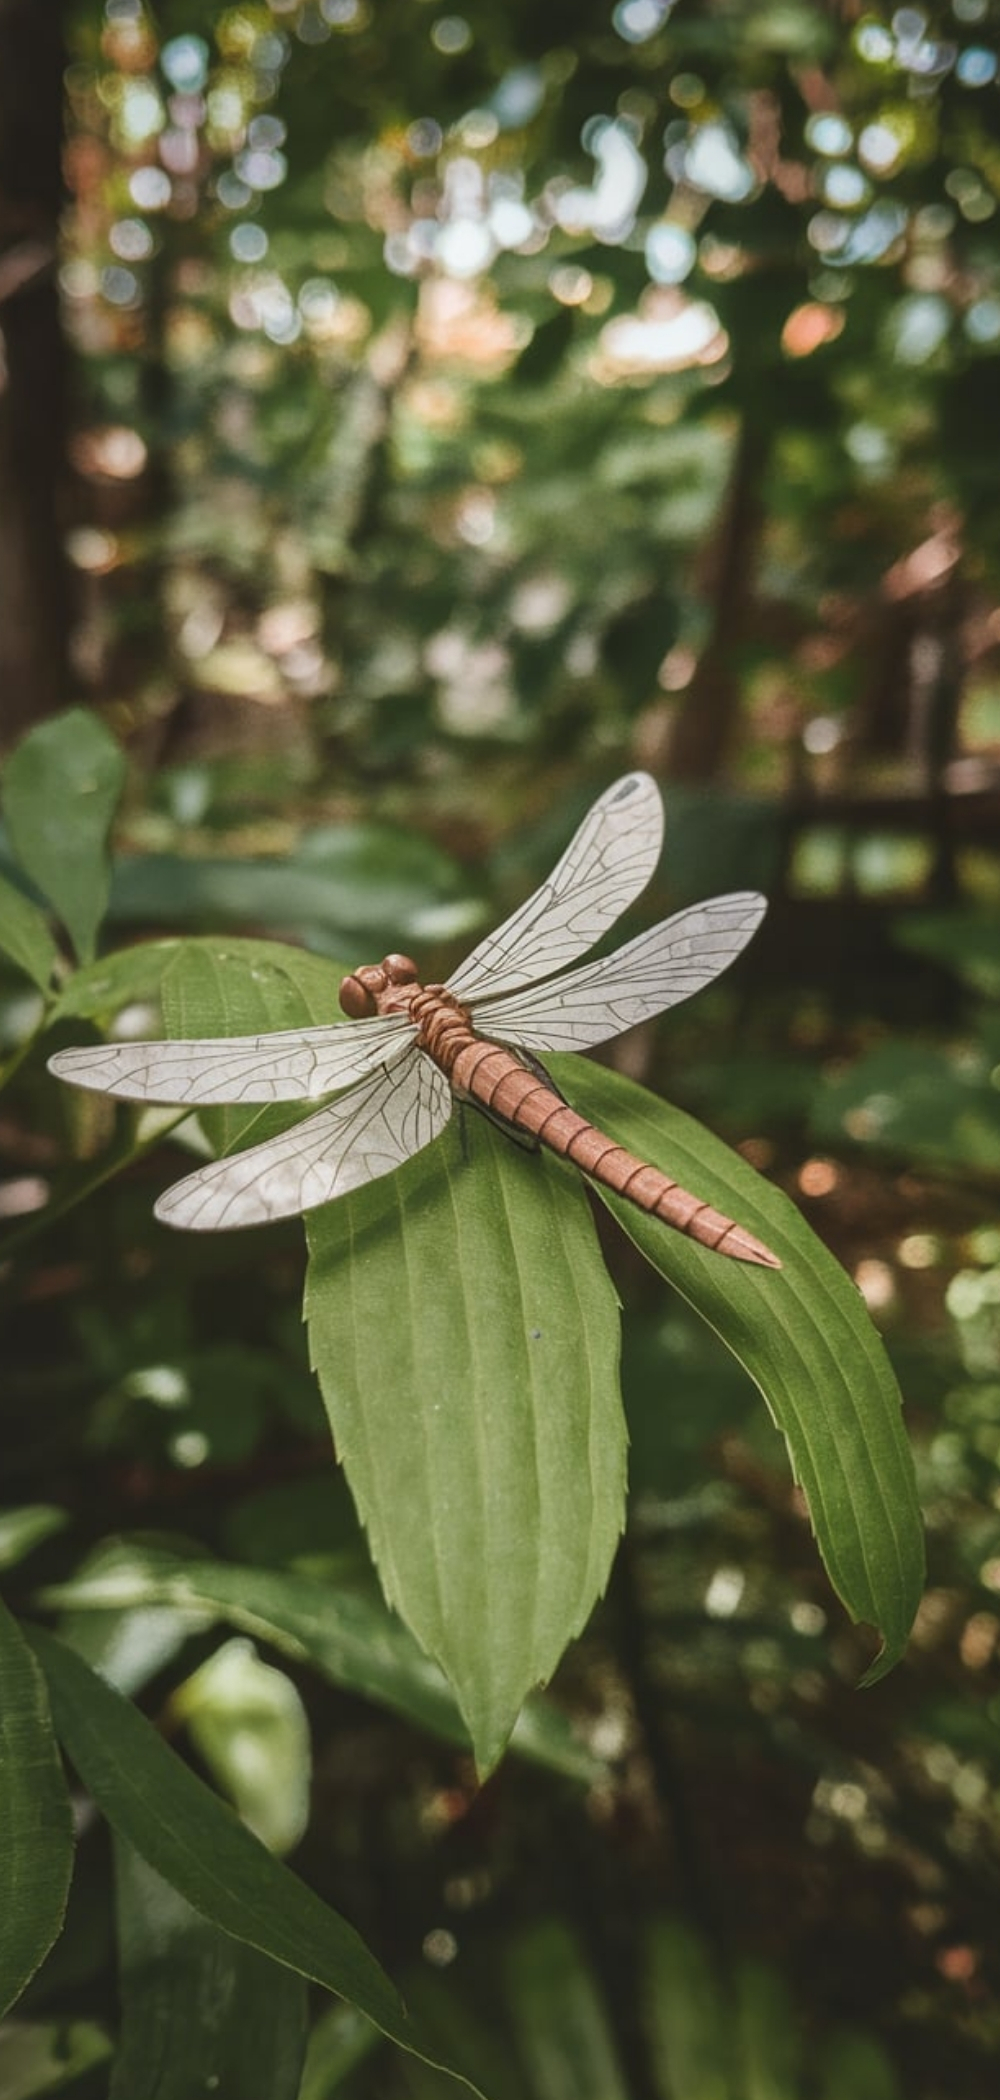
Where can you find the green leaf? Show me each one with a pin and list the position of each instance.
(123, 1633)
(559, 2018)
(250, 1729)
(36, 1829)
(187, 1835)
(685, 2013)
(856, 2067)
(25, 937)
(465, 1334)
(962, 941)
(769, 2038)
(61, 789)
(21, 1530)
(935, 1104)
(219, 987)
(201, 2012)
(483, 1417)
(372, 881)
(347, 1634)
(805, 1337)
(223, 980)
(43, 2056)
(339, 2040)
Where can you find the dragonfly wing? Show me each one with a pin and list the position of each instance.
(293, 1064)
(650, 974)
(368, 1132)
(603, 869)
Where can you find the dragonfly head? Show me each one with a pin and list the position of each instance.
(368, 990)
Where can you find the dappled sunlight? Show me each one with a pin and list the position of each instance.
(443, 415)
(876, 1283)
(818, 1177)
(669, 334)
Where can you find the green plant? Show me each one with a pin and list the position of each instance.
(488, 1472)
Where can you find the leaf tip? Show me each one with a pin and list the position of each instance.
(889, 1654)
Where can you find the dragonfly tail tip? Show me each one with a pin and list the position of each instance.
(744, 1247)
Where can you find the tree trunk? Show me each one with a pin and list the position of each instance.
(33, 574)
(705, 723)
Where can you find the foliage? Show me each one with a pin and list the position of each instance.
(465, 407)
(459, 1422)
(388, 306)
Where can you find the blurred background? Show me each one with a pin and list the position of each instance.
(408, 421)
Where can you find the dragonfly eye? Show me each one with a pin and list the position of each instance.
(357, 993)
(400, 969)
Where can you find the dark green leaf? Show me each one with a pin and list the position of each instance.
(359, 882)
(186, 1834)
(338, 2040)
(61, 788)
(685, 2013)
(962, 941)
(346, 1633)
(24, 935)
(805, 1337)
(21, 1530)
(201, 2011)
(559, 2017)
(856, 2067)
(44, 2056)
(36, 1829)
(769, 2040)
(542, 356)
(937, 1105)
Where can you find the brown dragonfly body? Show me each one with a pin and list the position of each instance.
(498, 1081)
(389, 1082)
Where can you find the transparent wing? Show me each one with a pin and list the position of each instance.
(369, 1131)
(603, 869)
(293, 1064)
(655, 971)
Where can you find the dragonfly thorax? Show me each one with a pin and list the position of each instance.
(373, 988)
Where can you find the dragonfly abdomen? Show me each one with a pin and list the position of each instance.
(499, 1082)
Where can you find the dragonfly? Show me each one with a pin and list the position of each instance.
(412, 1050)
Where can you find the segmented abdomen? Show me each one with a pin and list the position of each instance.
(498, 1081)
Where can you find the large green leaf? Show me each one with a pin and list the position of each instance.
(62, 786)
(24, 935)
(465, 1334)
(345, 1633)
(371, 881)
(36, 1828)
(805, 1337)
(186, 1834)
(201, 2011)
(227, 973)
